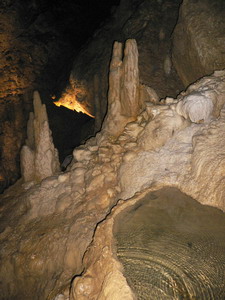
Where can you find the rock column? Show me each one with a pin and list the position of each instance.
(124, 103)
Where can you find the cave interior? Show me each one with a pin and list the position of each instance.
(112, 171)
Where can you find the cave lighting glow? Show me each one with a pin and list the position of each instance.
(70, 101)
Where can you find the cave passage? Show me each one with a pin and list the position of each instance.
(172, 247)
(69, 129)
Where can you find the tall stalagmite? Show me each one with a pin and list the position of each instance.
(124, 103)
(39, 158)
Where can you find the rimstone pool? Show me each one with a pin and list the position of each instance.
(172, 247)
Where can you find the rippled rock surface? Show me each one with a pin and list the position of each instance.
(172, 247)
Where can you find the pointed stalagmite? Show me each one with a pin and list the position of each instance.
(39, 158)
(124, 103)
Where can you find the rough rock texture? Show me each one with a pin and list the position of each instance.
(138, 232)
(39, 159)
(198, 39)
(167, 243)
(182, 146)
(12, 127)
(46, 228)
(29, 46)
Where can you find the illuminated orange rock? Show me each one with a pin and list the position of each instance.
(70, 101)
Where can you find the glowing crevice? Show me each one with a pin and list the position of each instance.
(70, 101)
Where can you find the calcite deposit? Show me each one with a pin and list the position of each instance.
(178, 42)
(159, 149)
(56, 235)
(39, 158)
(38, 41)
(124, 101)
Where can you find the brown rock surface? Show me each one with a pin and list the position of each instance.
(25, 48)
(198, 39)
(165, 244)
(159, 244)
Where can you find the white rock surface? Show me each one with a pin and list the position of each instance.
(196, 106)
(204, 99)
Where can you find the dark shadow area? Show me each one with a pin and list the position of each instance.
(73, 23)
(69, 128)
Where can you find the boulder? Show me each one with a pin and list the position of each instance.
(198, 39)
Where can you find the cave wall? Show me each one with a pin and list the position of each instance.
(29, 46)
(198, 39)
(171, 55)
(38, 41)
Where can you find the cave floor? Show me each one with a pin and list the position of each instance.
(172, 247)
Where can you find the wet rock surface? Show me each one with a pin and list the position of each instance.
(171, 247)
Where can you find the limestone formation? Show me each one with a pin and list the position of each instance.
(204, 99)
(130, 99)
(62, 228)
(124, 101)
(198, 39)
(151, 26)
(30, 27)
(75, 98)
(170, 163)
(81, 234)
(39, 158)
